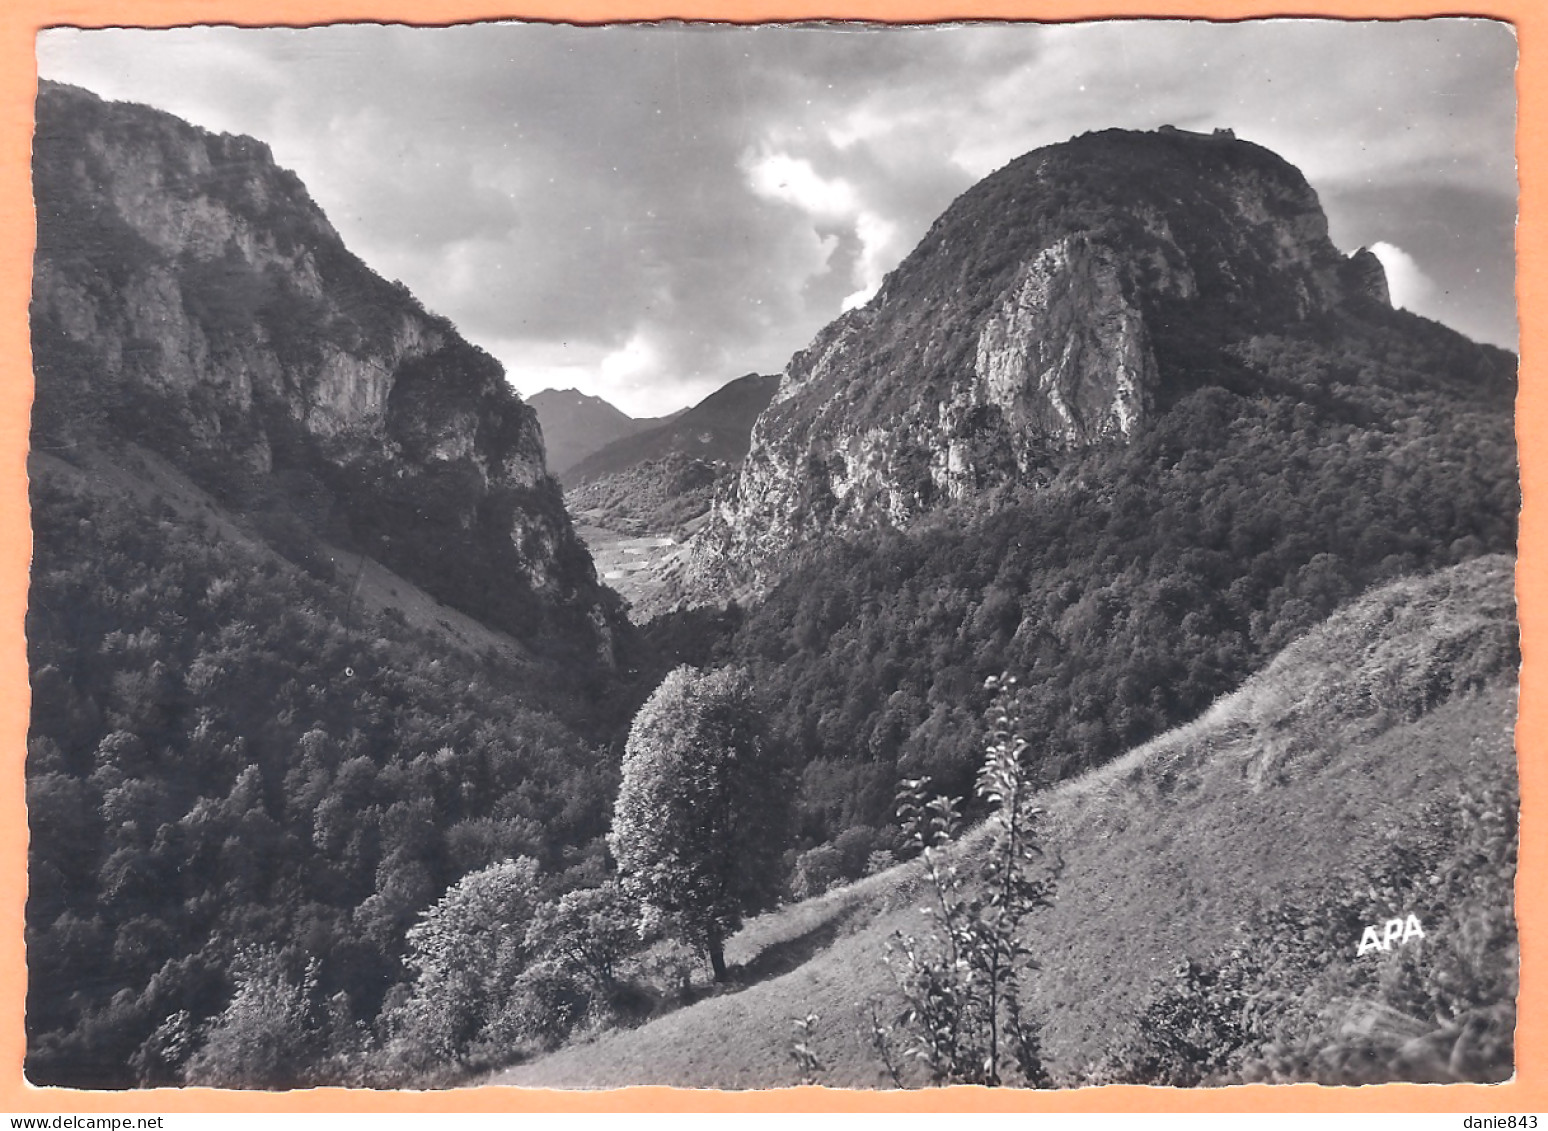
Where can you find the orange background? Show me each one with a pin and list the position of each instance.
(19, 22)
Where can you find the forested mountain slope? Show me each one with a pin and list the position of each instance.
(256, 753)
(234, 759)
(1123, 424)
(1138, 586)
(1212, 889)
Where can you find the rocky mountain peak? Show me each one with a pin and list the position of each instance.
(190, 296)
(1053, 306)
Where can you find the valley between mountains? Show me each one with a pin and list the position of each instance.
(1045, 680)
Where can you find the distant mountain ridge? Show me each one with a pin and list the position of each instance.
(1124, 424)
(718, 428)
(576, 424)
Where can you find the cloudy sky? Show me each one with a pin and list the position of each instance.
(644, 213)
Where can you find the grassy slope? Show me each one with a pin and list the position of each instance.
(142, 474)
(1390, 704)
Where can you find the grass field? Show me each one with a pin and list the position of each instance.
(1168, 853)
(636, 566)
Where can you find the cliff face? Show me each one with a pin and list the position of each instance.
(1054, 306)
(189, 295)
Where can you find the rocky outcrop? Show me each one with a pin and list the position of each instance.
(1053, 307)
(188, 295)
(1365, 275)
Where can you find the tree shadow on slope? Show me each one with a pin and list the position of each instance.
(801, 932)
(780, 958)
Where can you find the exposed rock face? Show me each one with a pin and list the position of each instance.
(1052, 307)
(190, 296)
(1066, 354)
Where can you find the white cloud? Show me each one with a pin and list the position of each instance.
(779, 176)
(860, 124)
(793, 180)
(637, 357)
(1410, 287)
(877, 256)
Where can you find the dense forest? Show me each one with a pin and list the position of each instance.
(224, 755)
(1135, 584)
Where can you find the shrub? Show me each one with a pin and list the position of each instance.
(467, 953)
(816, 870)
(545, 1003)
(962, 984)
(271, 1034)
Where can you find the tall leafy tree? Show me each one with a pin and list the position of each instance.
(702, 811)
